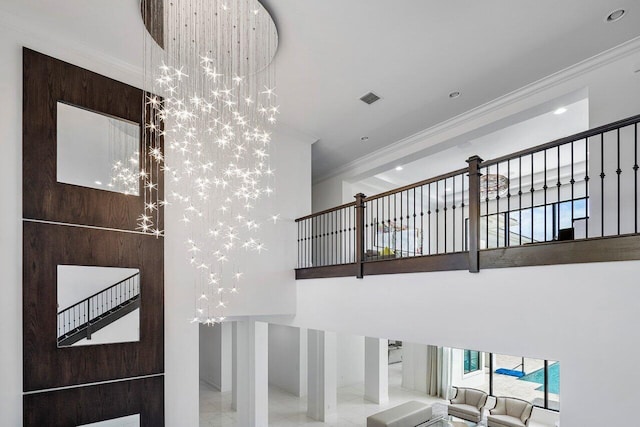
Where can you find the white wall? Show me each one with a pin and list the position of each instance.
(286, 370)
(579, 314)
(350, 359)
(272, 272)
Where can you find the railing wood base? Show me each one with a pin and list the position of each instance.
(441, 262)
(342, 270)
(602, 249)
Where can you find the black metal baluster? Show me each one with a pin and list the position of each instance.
(299, 233)
(415, 227)
(544, 187)
(532, 190)
(486, 204)
(444, 209)
(401, 218)
(422, 219)
(497, 205)
(334, 237)
(453, 220)
(572, 182)
(586, 185)
(462, 223)
(508, 217)
(377, 243)
(395, 222)
(635, 178)
(437, 218)
(520, 200)
(429, 215)
(602, 175)
(408, 218)
(618, 172)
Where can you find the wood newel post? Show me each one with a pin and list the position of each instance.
(360, 234)
(474, 213)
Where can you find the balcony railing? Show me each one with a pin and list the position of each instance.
(559, 202)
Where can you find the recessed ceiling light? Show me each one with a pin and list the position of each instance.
(615, 15)
(364, 138)
(560, 110)
(455, 94)
(98, 182)
(399, 168)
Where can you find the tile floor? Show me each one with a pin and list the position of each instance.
(288, 410)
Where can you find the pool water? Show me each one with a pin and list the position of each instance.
(538, 377)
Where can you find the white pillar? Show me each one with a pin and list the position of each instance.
(215, 355)
(376, 370)
(225, 356)
(322, 375)
(251, 367)
(234, 366)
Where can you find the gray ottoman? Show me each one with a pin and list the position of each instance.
(409, 414)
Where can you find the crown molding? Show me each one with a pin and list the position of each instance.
(67, 49)
(413, 141)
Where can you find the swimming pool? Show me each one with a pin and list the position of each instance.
(538, 377)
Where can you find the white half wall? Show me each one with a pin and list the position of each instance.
(580, 314)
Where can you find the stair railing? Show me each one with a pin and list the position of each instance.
(82, 314)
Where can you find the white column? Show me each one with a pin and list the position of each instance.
(181, 338)
(234, 366)
(322, 375)
(215, 355)
(250, 372)
(225, 356)
(376, 370)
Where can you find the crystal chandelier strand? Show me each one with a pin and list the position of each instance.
(218, 106)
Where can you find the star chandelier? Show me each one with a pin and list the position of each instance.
(209, 114)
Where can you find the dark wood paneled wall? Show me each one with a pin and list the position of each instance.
(84, 405)
(48, 245)
(47, 81)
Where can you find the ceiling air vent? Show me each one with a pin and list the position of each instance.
(369, 98)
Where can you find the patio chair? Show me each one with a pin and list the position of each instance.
(467, 404)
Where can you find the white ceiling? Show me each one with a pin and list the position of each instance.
(412, 53)
(525, 134)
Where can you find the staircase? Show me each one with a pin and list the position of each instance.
(101, 309)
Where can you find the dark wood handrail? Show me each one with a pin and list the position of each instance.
(326, 211)
(418, 184)
(567, 139)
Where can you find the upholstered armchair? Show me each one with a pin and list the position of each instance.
(467, 404)
(509, 412)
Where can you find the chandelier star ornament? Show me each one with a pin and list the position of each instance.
(209, 117)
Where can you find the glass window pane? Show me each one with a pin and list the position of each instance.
(470, 369)
(520, 377)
